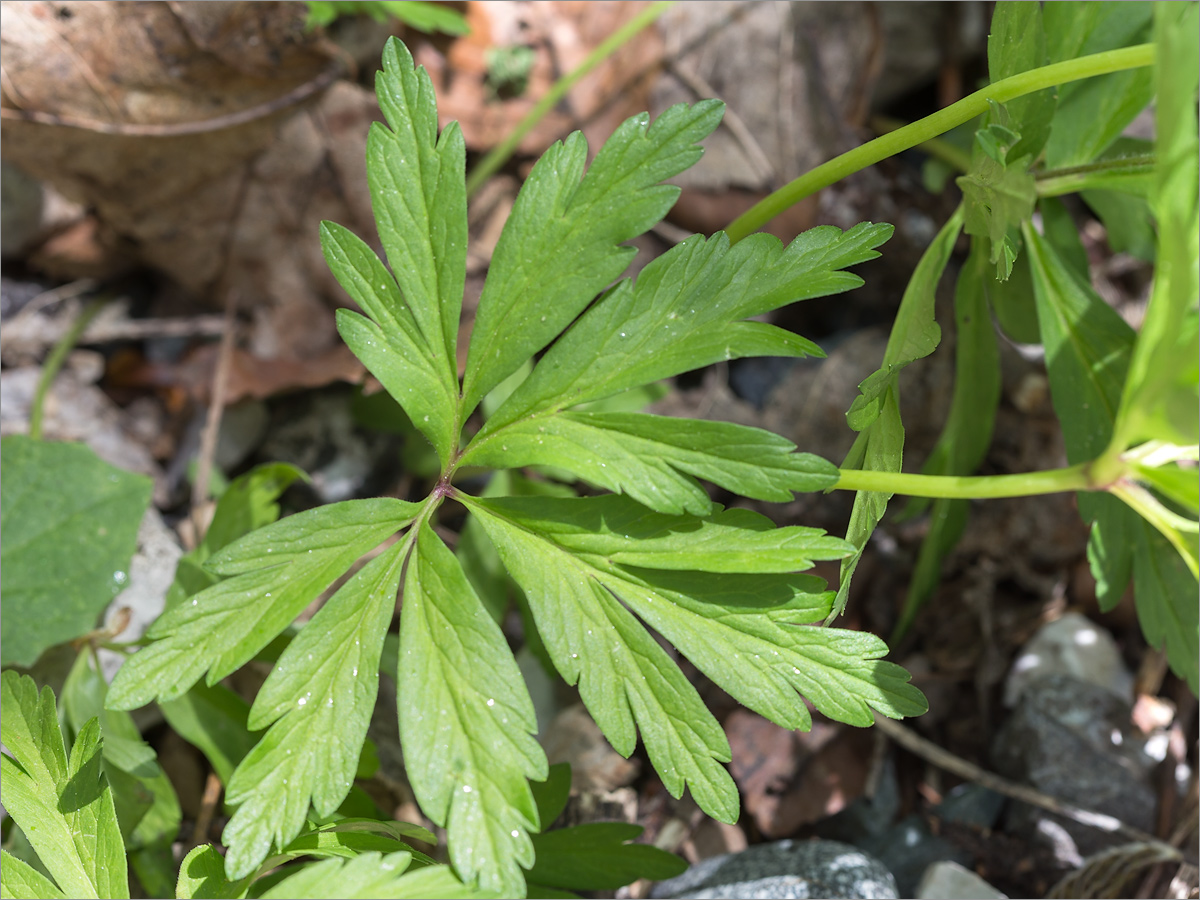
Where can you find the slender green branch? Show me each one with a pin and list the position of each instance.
(1109, 173)
(955, 157)
(55, 361)
(965, 487)
(940, 122)
(499, 154)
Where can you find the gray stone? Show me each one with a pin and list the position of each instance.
(1075, 741)
(908, 848)
(787, 870)
(949, 880)
(1072, 645)
(970, 804)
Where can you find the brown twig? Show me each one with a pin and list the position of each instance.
(736, 125)
(177, 129)
(208, 809)
(216, 406)
(944, 759)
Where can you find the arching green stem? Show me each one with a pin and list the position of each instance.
(931, 126)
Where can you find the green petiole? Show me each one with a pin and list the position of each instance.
(931, 126)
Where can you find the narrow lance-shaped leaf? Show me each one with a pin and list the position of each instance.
(23, 882)
(561, 244)
(875, 413)
(278, 570)
(1087, 355)
(1159, 400)
(1092, 112)
(320, 697)
(626, 680)
(466, 722)
(1017, 43)
(968, 430)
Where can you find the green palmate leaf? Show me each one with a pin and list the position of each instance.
(1093, 112)
(561, 244)
(875, 413)
(968, 430)
(70, 523)
(685, 310)
(624, 676)
(653, 458)
(320, 697)
(466, 722)
(278, 570)
(64, 806)
(598, 857)
(420, 204)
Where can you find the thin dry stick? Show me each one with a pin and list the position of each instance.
(737, 127)
(944, 759)
(208, 808)
(177, 129)
(216, 406)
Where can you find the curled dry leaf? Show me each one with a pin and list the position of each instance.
(206, 138)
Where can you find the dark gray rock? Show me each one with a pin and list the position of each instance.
(1075, 741)
(786, 870)
(908, 848)
(971, 804)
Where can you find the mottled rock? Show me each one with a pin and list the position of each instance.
(1072, 645)
(1076, 742)
(788, 870)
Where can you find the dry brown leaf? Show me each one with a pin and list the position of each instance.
(792, 778)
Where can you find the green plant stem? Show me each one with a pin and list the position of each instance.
(1056, 182)
(966, 487)
(55, 361)
(931, 126)
(499, 154)
(955, 157)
